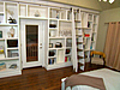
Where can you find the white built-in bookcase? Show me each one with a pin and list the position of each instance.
(62, 18)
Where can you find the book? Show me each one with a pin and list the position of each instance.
(0, 34)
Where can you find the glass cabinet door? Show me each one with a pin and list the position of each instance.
(31, 43)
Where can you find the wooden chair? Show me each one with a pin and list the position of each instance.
(97, 60)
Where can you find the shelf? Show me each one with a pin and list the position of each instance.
(12, 58)
(82, 28)
(7, 24)
(64, 20)
(9, 70)
(42, 18)
(53, 28)
(12, 48)
(68, 36)
(12, 38)
(56, 37)
(51, 57)
(68, 47)
(1, 13)
(53, 19)
(67, 54)
(77, 20)
(56, 48)
(2, 39)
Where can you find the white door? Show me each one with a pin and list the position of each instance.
(31, 31)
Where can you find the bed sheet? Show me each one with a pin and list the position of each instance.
(111, 80)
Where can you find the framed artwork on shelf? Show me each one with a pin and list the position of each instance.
(50, 45)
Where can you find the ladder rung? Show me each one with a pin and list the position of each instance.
(78, 35)
(80, 57)
(80, 64)
(79, 42)
(79, 49)
(77, 20)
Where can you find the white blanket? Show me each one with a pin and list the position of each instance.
(111, 80)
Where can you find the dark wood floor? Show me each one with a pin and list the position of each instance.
(39, 79)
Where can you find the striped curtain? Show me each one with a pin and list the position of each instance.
(112, 46)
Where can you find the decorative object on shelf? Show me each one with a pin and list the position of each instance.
(110, 1)
(69, 43)
(52, 26)
(50, 45)
(92, 38)
(57, 14)
(61, 33)
(12, 21)
(13, 66)
(9, 34)
(51, 53)
(2, 66)
(88, 25)
(58, 44)
(87, 35)
(91, 47)
(12, 43)
(37, 14)
(12, 31)
(65, 33)
(2, 55)
(0, 34)
(67, 51)
(52, 33)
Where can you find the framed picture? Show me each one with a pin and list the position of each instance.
(50, 45)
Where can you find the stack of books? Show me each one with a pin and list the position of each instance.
(2, 66)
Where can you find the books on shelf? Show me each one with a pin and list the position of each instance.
(2, 66)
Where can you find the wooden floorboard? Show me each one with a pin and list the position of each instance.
(39, 79)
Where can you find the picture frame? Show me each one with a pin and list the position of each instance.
(50, 45)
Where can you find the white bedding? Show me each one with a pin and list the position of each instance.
(111, 80)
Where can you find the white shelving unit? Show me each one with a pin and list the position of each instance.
(60, 32)
(8, 42)
(59, 28)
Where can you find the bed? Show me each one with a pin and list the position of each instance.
(110, 78)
